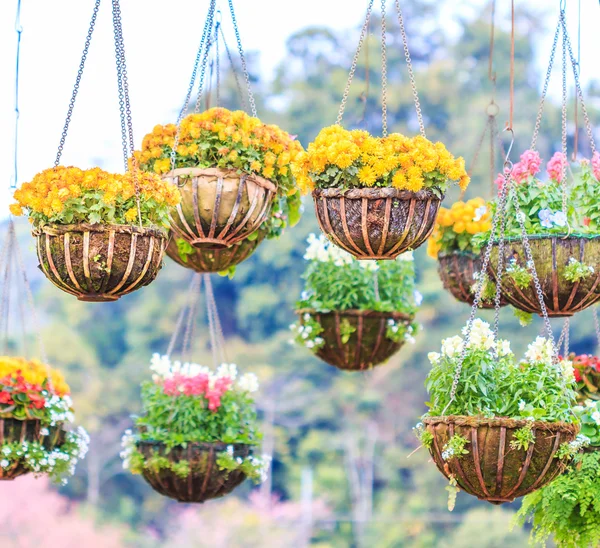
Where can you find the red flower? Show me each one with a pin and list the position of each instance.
(6, 398)
(37, 400)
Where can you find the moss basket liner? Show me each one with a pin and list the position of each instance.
(376, 223)
(367, 347)
(456, 270)
(219, 207)
(205, 480)
(215, 260)
(29, 430)
(492, 470)
(99, 262)
(551, 255)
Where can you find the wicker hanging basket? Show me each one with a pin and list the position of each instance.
(13, 430)
(367, 346)
(457, 270)
(99, 262)
(219, 207)
(551, 255)
(376, 223)
(205, 480)
(492, 470)
(217, 259)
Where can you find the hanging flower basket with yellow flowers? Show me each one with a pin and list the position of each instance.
(458, 253)
(92, 240)
(234, 177)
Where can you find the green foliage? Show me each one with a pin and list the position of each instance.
(576, 271)
(568, 508)
(184, 249)
(525, 318)
(520, 275)
(589, 416)
(253, 468)
(346, 330)
(523, 437)
(423, 435)
(308, 332)
(455, 448)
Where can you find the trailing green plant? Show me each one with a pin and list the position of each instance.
(455, 447)
(520, 275)
(523, 437)
(576, 271)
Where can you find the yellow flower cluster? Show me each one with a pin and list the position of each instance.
(34, 372)
(230, 137)
(471, 217)
(398, 161)
(50, 189)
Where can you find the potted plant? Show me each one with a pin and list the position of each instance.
(37, 433)
(565, 244)
(458, 253)
(587, 375)
(234, 175)
(99, 235)
(376, 197)
(354, 314)
(568, 509)
(195, 438)
(506, 427)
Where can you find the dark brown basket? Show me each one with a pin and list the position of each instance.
(219, 207)
(205, 481)
(551, 255)
(215, 259)
(456, 270)
(13, 430)
(367, 347)
(98, 263)
(492, 470)
(376, 223)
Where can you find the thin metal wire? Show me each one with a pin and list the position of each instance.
(564, 124)
(19, 31)
(384, 128)
(243, 99)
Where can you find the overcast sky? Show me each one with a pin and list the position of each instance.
(161, 38)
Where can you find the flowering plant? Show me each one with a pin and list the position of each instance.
(30, 390)
(67, 195)
(222, 138)
(354, 159)
(189, 403)
(541, 200)
(494, 384)
(455, 227)
(587, 374)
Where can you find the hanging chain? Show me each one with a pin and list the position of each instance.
(564, 123)
(596, 325)
(411, 74)
(363, 34)
(243, 60)
(563, 340)
(538, 120)
(383, 72)
(19, 31)
(86, 48)
(243, 99)
(178, 325)
(217, 64)
(215, 322)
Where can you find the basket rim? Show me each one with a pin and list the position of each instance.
(458, 252)
(220, 172)
(357, 312)
(540, 237)
(53, 229)
(207, 445)
(497, 422)
(376, 193)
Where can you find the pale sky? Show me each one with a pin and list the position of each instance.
(161, 38)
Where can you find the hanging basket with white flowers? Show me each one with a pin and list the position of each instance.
(353, 314)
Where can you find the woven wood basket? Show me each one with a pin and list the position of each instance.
(13, 430)
(367, 347)
(215, 260)
(219, 207)
(98, 263)
(551, 255)
(205, 480)
(492, 470)
(456, 270)
(376, 223)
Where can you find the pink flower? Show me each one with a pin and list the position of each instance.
(195, 386)
(596, 165)
(556, 166)
(529, 164)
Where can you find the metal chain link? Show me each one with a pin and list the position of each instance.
(243, 99)
(192, 289)
(86, 48)
(540, 112)
(216, 321)
(243, 60)
(209, 44)
(596, 325)
(218, 64)
(564, 123)
(411, 74)
(361, 39)
(563, 340)
(384, 128)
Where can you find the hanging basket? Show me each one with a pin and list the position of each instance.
(13, 430)
(217, 259)
(457, 270)
(98, 263)
(551, 255)
(205, 480)
(492, 470)
(367, 346)
(219, 207)
(376, 223)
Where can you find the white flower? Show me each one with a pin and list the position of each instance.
(391, 322)
(418, 297)
(309, 344)
(227, 370)
(479, 213)
(406, 256)
(540, 351)
(567, 370)
(44, 431)
(409, 339)
(521, 405)
(4, 463)
(370, 266)
(248, 382)
(503, 347)
(452, 346)
(596, 417)
(230, 450)
(319, 340)
(434, 357)
(306, 317)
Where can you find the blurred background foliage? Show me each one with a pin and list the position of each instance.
(346, 471)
